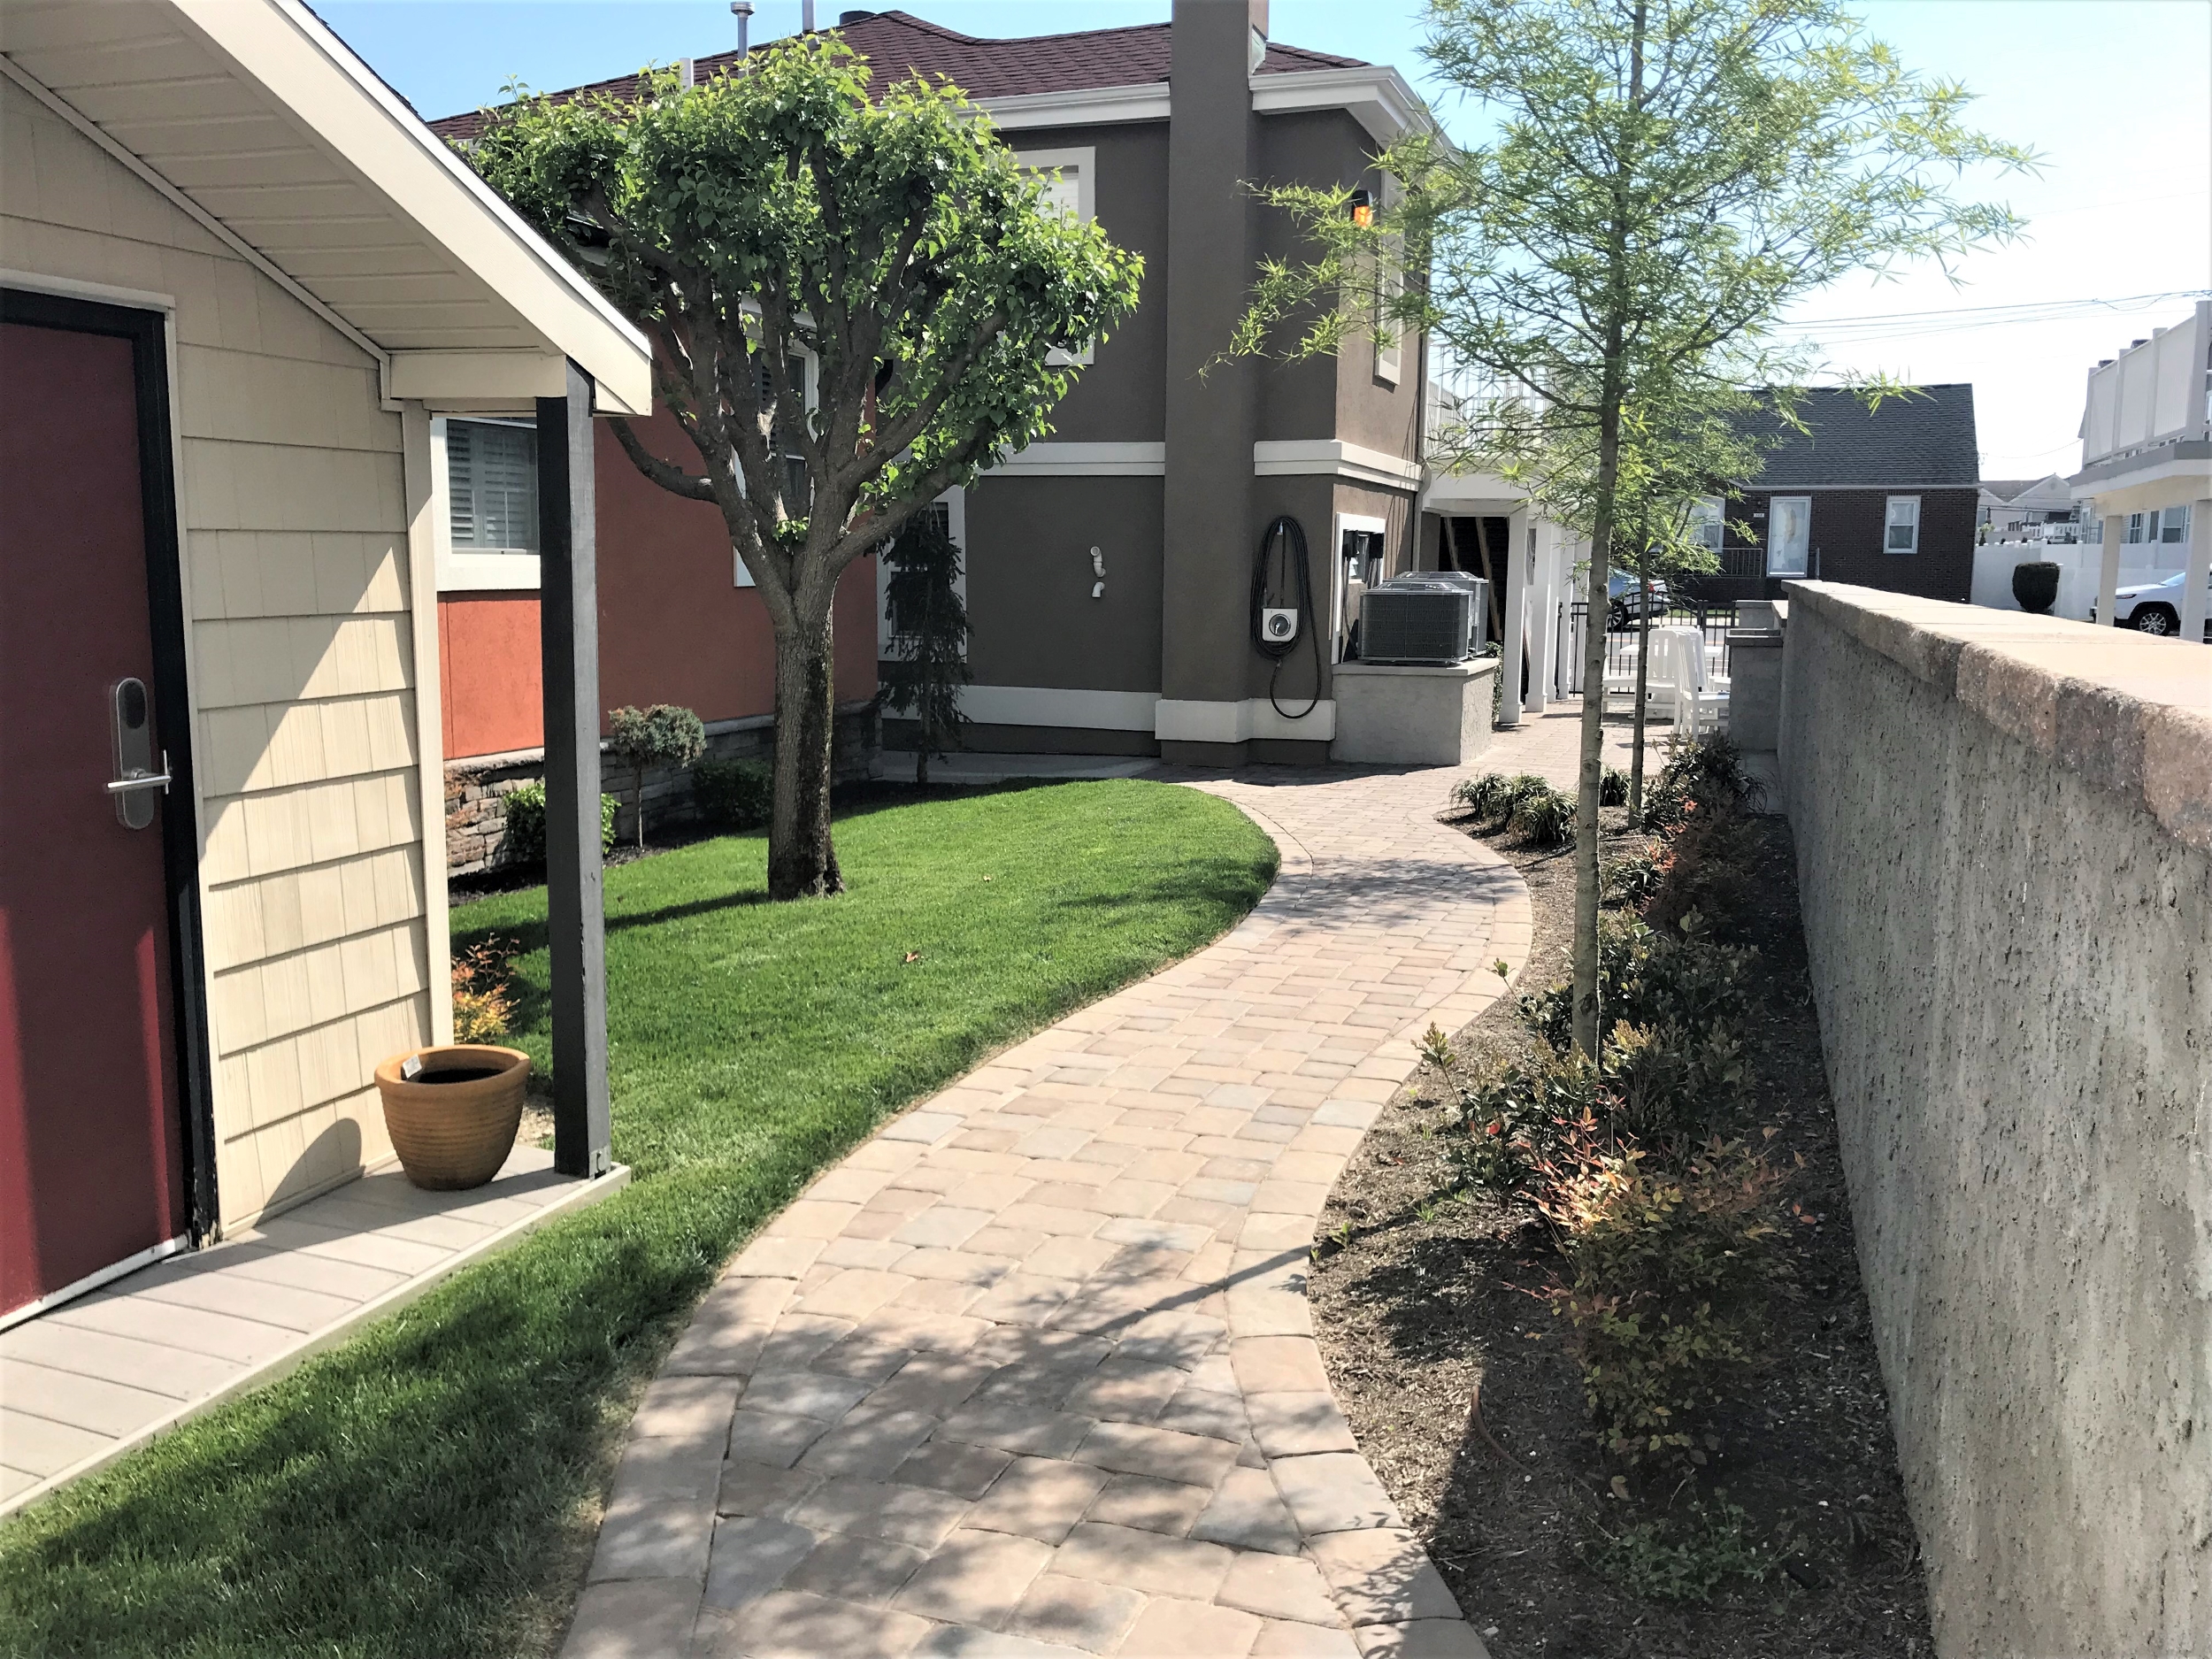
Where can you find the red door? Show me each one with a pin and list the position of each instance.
(91, 1147)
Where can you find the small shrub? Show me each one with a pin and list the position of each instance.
(663, 735)
(1521, 1115)
(1706, 769)
(1653, 980)
(1704, 871)
(1613, 787)
(1628, 882)
(1545, 818)
(525, 807)
(2035, 585)
(1690, 1557)
(1669, 1272)
(734, 794)
(1488, 798)
(483, 1001)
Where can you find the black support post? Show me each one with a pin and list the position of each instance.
(568, 621)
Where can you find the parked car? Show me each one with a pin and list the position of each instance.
(2148, 607)
(1625, 599)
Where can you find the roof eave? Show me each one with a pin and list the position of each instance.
(332, 99)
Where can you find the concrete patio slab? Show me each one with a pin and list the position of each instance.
(93, 1378)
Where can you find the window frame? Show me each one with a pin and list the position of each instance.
(1710, 512)
(1082, 163)
(955, 501)
(811, 395)
(468, 569)
(1805, 558)
(1889, 522)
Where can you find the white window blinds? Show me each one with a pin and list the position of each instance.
(492, 484)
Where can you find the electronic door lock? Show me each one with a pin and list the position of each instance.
(131, 714)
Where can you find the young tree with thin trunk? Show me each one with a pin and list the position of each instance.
(765, 222)
(1663, 178)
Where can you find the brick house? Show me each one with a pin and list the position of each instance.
(1886, 498)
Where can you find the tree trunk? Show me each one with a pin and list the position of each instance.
(1586, 949)
(802, 860)
(1643, 681)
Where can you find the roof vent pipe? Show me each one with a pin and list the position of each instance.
(742, 10)
(806, 16)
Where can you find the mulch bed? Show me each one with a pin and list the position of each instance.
(1423, 1296)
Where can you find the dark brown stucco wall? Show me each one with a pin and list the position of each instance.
(1121, 396)
(1033, 620)
(1213, 150)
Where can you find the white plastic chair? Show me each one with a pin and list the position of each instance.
(1700, 697)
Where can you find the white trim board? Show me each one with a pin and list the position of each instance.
(1187, 721)
(1333, 458)
(1376, 96)
(1086, 460)
(1059, 705)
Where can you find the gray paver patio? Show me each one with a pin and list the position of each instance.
(1032, 1372)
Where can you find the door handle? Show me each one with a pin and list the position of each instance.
(130, 712)
(144, 780)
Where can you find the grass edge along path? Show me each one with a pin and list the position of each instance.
(432, 1488)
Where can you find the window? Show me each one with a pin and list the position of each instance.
(1390, 284)
(2135, 526)
(1074, 192)
(797, 491)
(1789, 535)
(950, 510)
(2170, 525)
(1902, 534)
(1708, 523)
(492, 487)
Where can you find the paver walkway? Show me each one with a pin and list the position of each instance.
(1032, 1372)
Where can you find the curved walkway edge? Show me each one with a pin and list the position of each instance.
(1031, 1374)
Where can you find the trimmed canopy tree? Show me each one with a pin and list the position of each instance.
(764, 221)
(1664, 178)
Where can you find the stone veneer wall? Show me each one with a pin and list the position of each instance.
(476, 789)
(2004, 843)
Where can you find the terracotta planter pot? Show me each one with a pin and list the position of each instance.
(455, 1132)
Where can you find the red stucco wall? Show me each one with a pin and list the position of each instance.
(673, 626)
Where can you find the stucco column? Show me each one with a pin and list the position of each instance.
(2200, 566)
(2108, 570)
(1213, 409)
(1543, 592)
(1515, 616)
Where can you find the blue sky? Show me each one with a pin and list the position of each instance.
(2115, 95)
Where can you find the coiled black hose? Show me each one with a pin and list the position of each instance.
(1291, 535)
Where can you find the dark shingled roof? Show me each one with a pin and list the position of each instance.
(896, 43)
(1926, 437)
(2006, 488)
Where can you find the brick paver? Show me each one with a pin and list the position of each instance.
(1031, 1373)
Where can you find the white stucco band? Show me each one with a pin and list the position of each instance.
(1188, 721)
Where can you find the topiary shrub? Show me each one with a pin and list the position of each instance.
(734, 794)
(524, 808)
(2035, 585)
(663, 735)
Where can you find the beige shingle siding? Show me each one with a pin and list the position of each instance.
(297, 585)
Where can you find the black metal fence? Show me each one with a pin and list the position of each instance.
(1713, 620)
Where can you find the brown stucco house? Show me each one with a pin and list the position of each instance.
(1109, 569)
(239, 279)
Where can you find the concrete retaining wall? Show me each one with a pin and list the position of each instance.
(2004, 840)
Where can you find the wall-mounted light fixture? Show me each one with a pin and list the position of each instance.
(1362, 208)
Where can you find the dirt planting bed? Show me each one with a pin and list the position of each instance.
(1466, 1401)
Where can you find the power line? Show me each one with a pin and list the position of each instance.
(2042, 309)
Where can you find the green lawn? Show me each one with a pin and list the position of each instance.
(430, 1488)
